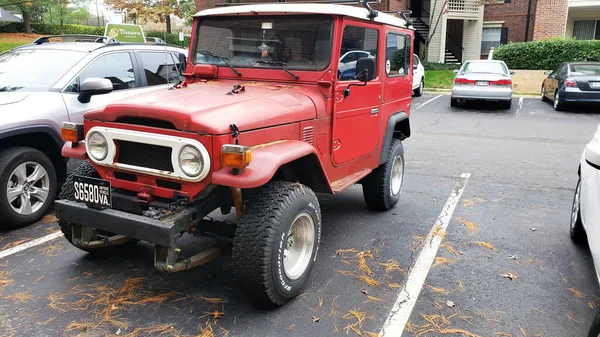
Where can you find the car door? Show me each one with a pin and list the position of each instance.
(120, 67)
(555, 79)
(356, 117)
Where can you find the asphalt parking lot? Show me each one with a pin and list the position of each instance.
(493, 187)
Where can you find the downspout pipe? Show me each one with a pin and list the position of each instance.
(527, 23)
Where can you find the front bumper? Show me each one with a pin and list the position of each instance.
(162, 227)
(472, 92)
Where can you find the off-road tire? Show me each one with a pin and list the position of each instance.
(595, 327)
(576, 230)
(260, 237)
(377, 189)
(10, 159)
(506, 105)
(86, 169)
(419, 91)
(453, 102)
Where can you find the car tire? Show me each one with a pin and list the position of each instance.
(507, 104)
(544, 98)
(30, 178)
(453, 102)
(276, 243)
(576, 229)
(595, 327)
(419, 91)
(558, 106)
(382, 187)
(86, 169)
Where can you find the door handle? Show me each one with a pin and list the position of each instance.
(374, 111)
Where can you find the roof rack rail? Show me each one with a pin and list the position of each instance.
(403, 14)
(156, 40)
(77, 38)
(365, 3)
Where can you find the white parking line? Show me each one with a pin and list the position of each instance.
(431, 100)
(29, 244)
(520, 106)
(396, 321)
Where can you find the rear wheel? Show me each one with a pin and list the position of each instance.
(558, 105)
(382, 187)
(576, 226)
(86, 169)
(453, 102)
(27, 185)
(595, 327)
(419, 91)
(276, 243)
(507, 104)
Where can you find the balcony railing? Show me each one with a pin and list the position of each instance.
(469, 6)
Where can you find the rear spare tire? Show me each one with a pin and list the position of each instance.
(276, 243)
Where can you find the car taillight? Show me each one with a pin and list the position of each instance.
(570, 82)
(460, 80)
(501, 82)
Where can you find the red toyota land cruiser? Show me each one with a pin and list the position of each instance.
(279, 101)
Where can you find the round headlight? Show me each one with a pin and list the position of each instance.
(191, 161)
(97, 146)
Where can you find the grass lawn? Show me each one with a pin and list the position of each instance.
(9, 41)
(439, 79)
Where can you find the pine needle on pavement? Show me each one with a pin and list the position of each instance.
(485, 245)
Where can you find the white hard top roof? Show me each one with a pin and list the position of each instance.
(304, 8)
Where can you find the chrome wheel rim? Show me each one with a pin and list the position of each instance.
(397, 175)
(28, 188)
(575, 208)
(299, 246)
(556, 100)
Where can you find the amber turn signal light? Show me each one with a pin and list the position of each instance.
(71, 132)
(235, 156)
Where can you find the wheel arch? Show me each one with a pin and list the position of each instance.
(40, 137)
(398, 127)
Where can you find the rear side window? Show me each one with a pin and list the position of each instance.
(357, 42)
(397, 54)
(117, 67)
(160, 68)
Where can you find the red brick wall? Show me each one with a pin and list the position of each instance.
(514, 15)
(551, 20)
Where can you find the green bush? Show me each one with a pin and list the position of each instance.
(46, 29)
(546, 55)
(440, 66)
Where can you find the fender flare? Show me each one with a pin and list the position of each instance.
(390, 129)
(266, 160)
(47, 129)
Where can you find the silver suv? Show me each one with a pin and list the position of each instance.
(41, 87)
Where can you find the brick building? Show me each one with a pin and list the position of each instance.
(468, 29)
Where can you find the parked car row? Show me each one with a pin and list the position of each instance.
(36, 98)
(572, 82)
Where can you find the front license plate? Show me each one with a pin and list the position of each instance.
(482, 83)
(93, 192)
(595, 85)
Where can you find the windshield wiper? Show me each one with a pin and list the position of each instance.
(281, 66)
(222, 58)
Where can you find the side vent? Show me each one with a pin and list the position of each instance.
(308, 134)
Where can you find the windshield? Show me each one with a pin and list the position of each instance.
(585, 69)
(297, 42)
(484, 67)
(22, 70)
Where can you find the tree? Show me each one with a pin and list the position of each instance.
(28, 9)
(142, 11)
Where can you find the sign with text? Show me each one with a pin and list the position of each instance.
(125, 32)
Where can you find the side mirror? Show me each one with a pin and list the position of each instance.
(547, 72)
(512, 72)
(94, 86)
(415, 66)
(455, 71)
(592, 155)
(366, 67)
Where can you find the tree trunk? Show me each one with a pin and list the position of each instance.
(26, 21)
(168, 23)
(62, 25)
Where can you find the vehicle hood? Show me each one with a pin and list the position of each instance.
(210, 107)
(12, 97)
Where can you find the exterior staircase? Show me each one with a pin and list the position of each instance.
(422, 32)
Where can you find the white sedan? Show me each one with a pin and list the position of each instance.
(585, 214)
(418, 76)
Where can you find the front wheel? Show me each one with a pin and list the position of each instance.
(27, 186)
(382, 187)
(576, 226)
(276, 243)
(595, 328)
(544, 99)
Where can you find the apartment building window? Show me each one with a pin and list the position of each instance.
(586, 30)
(493, 37)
